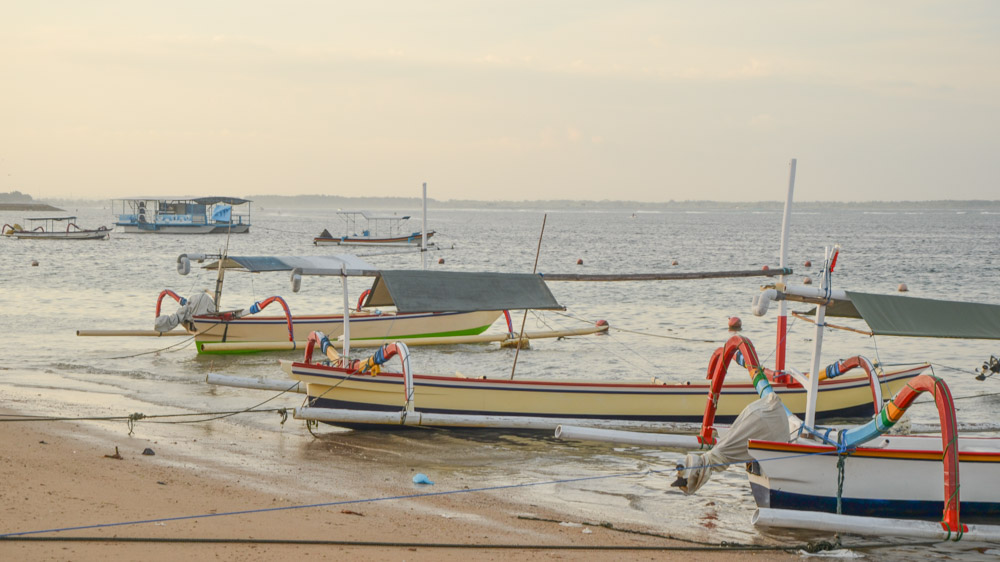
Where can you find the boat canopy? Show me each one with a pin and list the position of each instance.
(197, 200)
(460, 291)
(411, 290)
(307, 265)
(895, 315)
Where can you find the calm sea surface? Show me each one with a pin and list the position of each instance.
(666, 329)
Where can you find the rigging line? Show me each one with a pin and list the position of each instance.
(635, 332)
(366, 500)
(168, 348)
(703, 546)
(953, 368)
(223, 415)
(135, 417)
(628, 359)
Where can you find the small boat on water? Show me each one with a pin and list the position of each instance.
(363, 228)
(52, 228)
(186, 215)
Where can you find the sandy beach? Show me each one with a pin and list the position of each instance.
(63, 475)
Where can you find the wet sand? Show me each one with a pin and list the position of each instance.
(61, 476)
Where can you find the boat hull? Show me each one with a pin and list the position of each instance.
(332, 387)
(409, 240)
(804, 477)
(365, 326)
(183, 229)
(76, 235)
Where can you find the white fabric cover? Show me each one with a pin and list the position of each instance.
(200, 303)
(765, 419)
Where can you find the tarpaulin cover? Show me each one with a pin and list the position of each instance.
(459, 291)
(894, 315)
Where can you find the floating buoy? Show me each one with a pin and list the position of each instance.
(601, 323)
(902, 288)
(579, 262)
(34, 263)
(807, 281)
(765, 268)
(808, 263)
(735, 324)
(673, 262)
(440, 260)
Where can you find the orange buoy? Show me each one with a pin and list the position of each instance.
(601, 324)
(673, 262)
(440, 260)
(807, 281)
(579, 262)
(735, 324)
(765, 268)
(902, 288)
(34, 263)
(808, 263)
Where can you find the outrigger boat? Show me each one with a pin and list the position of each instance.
(172, 215)
(51, 228)
(344, 392)
(245, 330)
(856, 479)
(374, 230)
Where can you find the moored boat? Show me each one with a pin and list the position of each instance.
(364, 228)
(182, 215)
(51, 228)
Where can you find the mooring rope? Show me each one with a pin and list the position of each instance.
(361, 501)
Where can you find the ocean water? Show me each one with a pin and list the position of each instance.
(666, 329)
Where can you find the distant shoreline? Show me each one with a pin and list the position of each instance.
(28, 207)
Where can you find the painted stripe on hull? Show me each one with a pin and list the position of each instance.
(367, 327)
(902, 509)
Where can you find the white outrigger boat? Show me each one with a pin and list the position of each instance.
(364, 228)
(51, 228)
(856, 479)
(246, 331)
(342, 391)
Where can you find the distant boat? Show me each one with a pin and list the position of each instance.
(51, 228)
(198, 215)
(375, 230)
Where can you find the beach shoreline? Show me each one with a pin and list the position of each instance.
(63, 481)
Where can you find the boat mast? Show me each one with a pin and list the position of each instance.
(811, 393)
(779, 358)
(423, 233)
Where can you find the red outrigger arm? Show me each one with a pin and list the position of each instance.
(894, 410)
(165, 293)
(261, 305)
(717, 367)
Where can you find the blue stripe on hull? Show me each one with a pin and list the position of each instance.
(971, 511)
(347, 405)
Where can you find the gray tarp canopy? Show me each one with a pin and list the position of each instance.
(894, 315)
(416, 290)
(460, 291)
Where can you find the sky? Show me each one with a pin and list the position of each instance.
(502, 100)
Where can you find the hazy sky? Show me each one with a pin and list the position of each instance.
(644, 100)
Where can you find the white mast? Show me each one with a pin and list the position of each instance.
(423, 233)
